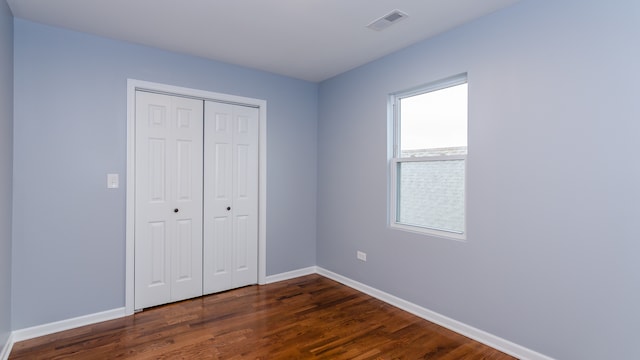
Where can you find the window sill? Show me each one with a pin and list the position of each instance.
(430, 232)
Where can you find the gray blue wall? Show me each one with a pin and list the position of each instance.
(551, 260)
(70, 131)
(552, 256)
(6, 167)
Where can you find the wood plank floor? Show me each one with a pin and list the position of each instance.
(310, 317)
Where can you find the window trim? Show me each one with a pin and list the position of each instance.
(395, 160)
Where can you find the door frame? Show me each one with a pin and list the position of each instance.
(134, 85)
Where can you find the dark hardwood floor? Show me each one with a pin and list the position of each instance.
(310, 317)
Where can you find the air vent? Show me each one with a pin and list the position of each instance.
(387, 20)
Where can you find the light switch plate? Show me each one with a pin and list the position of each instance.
(113, 181)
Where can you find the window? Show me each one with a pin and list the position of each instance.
(428, 164)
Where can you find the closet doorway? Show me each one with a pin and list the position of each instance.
(195, 193)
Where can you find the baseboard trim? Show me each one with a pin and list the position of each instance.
(481, 336)
(292, 274)
(54, 327)
(6, 349)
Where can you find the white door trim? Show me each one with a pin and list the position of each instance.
(132, 86)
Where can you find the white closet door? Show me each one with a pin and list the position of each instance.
(168, 197)
(231, 197)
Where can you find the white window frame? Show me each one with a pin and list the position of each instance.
(395, 159)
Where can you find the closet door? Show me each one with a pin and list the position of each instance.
(168, 199)
(231, 197)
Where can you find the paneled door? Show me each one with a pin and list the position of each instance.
(168, 198)
(231, 196)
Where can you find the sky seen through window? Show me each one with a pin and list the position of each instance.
(434, 120)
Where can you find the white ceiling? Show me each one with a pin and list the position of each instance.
(305, 39)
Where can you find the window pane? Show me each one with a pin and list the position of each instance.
(431, 194)
(434, 123)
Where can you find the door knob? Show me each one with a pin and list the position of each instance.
(175, 210)
(228, 208)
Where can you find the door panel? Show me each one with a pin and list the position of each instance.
(156, 170)
(222, 172)
(184, 258)
(245, 195)
(242, 171)
(231, 197)
(184, 168)
(242, 240)
(168, 196)
(219, 261)
(218, 194)
(157, 241)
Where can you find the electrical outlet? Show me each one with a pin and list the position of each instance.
(362, 256)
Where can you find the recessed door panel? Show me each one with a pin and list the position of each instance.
(157, 116)
(241, 242)
(221, 230)
(221, 169)
(183, 118)
(184, 170)
(243, 124)
(243, 170)
(184, 250)
(156, 163)
(158, 244)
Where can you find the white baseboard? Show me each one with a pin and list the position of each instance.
(6, 349)
(481, 336)
(54, 327)
(292, 274)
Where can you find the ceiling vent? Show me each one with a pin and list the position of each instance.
(387, 20)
